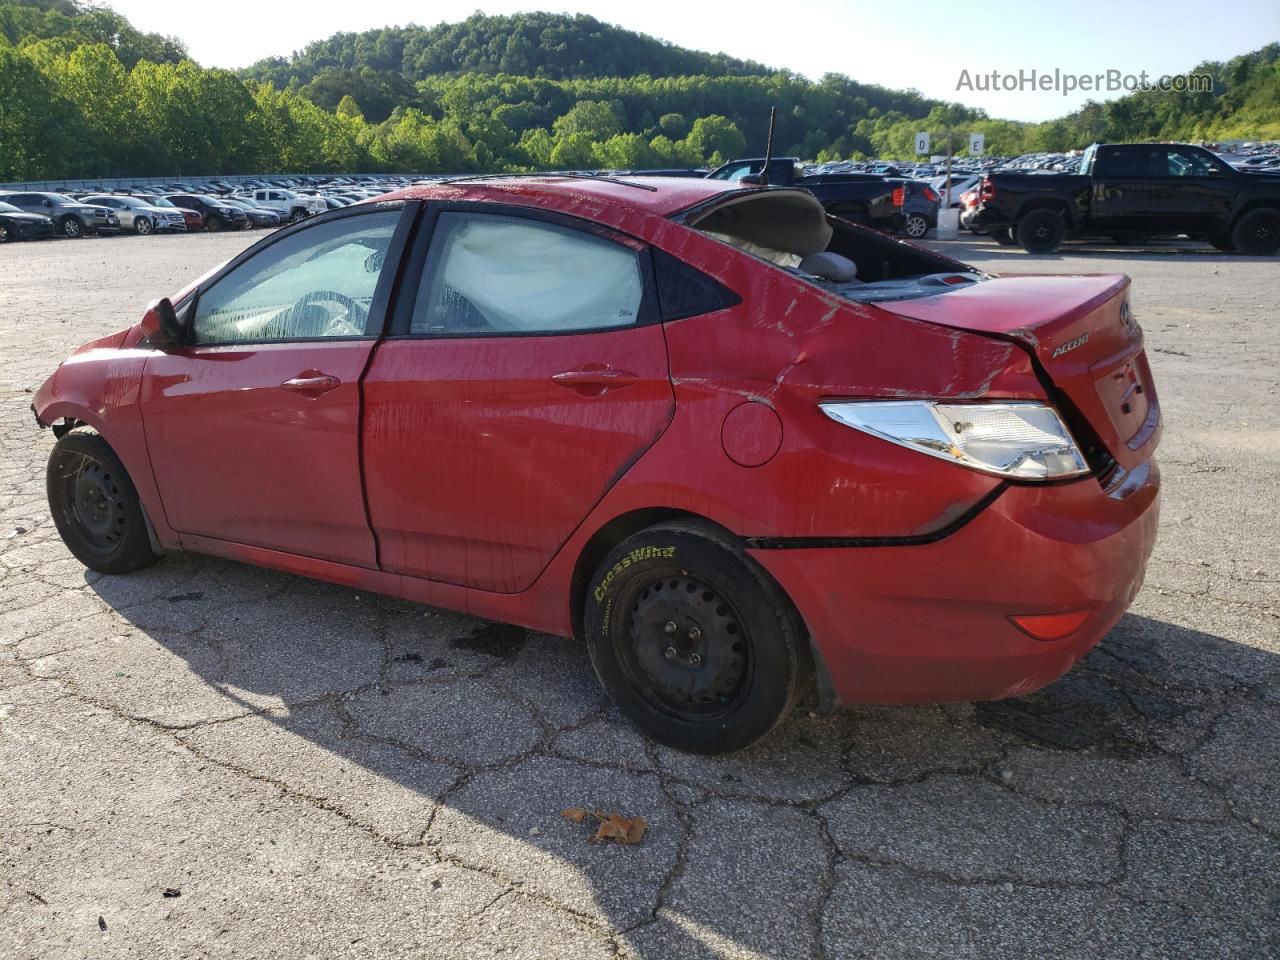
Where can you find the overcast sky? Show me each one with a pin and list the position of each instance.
(925, 44)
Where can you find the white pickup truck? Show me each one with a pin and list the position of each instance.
(291, 206)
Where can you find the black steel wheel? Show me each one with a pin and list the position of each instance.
(1258, 233)
(95, 506)
(693, 641)
(687, 651)
(1041, 231)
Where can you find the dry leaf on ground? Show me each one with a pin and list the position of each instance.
(574, 814)
(620, 829)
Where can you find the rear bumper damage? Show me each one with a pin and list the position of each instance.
(930, 622)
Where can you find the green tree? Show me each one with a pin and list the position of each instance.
(673, 125)
(574, 151)
(596, 119)
(716, 135)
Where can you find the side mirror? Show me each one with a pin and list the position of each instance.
(160, 324)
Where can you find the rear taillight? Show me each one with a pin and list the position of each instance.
(930, 195)
(988, 190)
(899, 194)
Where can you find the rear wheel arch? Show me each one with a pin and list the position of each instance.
(605, 539)
(1057, 206)
(625, 525)
(1264, 203)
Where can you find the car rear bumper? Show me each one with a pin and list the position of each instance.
(930, 622)
(990, 218)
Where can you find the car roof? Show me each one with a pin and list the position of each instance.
(656, 196)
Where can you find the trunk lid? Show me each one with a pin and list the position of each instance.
(1086, 344)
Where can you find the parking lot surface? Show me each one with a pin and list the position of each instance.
(208, 759)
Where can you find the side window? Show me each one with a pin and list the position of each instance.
(1186, 163)
(316, 283)
(684, 291)
(493, 274)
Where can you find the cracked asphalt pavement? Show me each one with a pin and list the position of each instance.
(208, 759)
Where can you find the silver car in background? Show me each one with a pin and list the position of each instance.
(139, 216)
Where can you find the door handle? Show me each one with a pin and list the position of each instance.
(312, 383)
(595, 379)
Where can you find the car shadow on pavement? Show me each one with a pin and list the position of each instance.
(1129, 805)
(1168, 252)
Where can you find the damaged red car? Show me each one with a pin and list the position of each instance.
(734, 444)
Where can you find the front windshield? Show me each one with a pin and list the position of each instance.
(159, 202)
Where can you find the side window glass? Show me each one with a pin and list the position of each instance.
(684, 291)
(493, 274)
(316, 283)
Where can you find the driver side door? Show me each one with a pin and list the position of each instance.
(253, 427)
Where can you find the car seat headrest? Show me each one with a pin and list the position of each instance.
(830, 266)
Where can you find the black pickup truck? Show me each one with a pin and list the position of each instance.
(1133, 191)
(893, 204)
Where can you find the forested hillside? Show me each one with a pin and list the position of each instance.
(84, 94)
(553, 46)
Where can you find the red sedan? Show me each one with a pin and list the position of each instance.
(732, 443)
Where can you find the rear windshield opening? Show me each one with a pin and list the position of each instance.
(790, 229)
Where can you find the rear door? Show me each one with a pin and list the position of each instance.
(1133, 190)
(253, 429)
(525, 372)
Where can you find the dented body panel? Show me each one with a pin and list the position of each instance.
(461, 473)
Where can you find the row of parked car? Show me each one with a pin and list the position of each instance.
(179, 207)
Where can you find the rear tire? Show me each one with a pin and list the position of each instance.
(916, 226)
(1257, 234)
(4, 234)
(95, 505)
(1041, 231)
(693, 641)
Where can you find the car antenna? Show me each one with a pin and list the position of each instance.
(768, 149)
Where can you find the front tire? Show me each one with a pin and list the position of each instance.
(297, 215)
(143, 226)
(693, 641)
(95, 505)
(71, 227)
(1258, 233)
(1041, 231)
